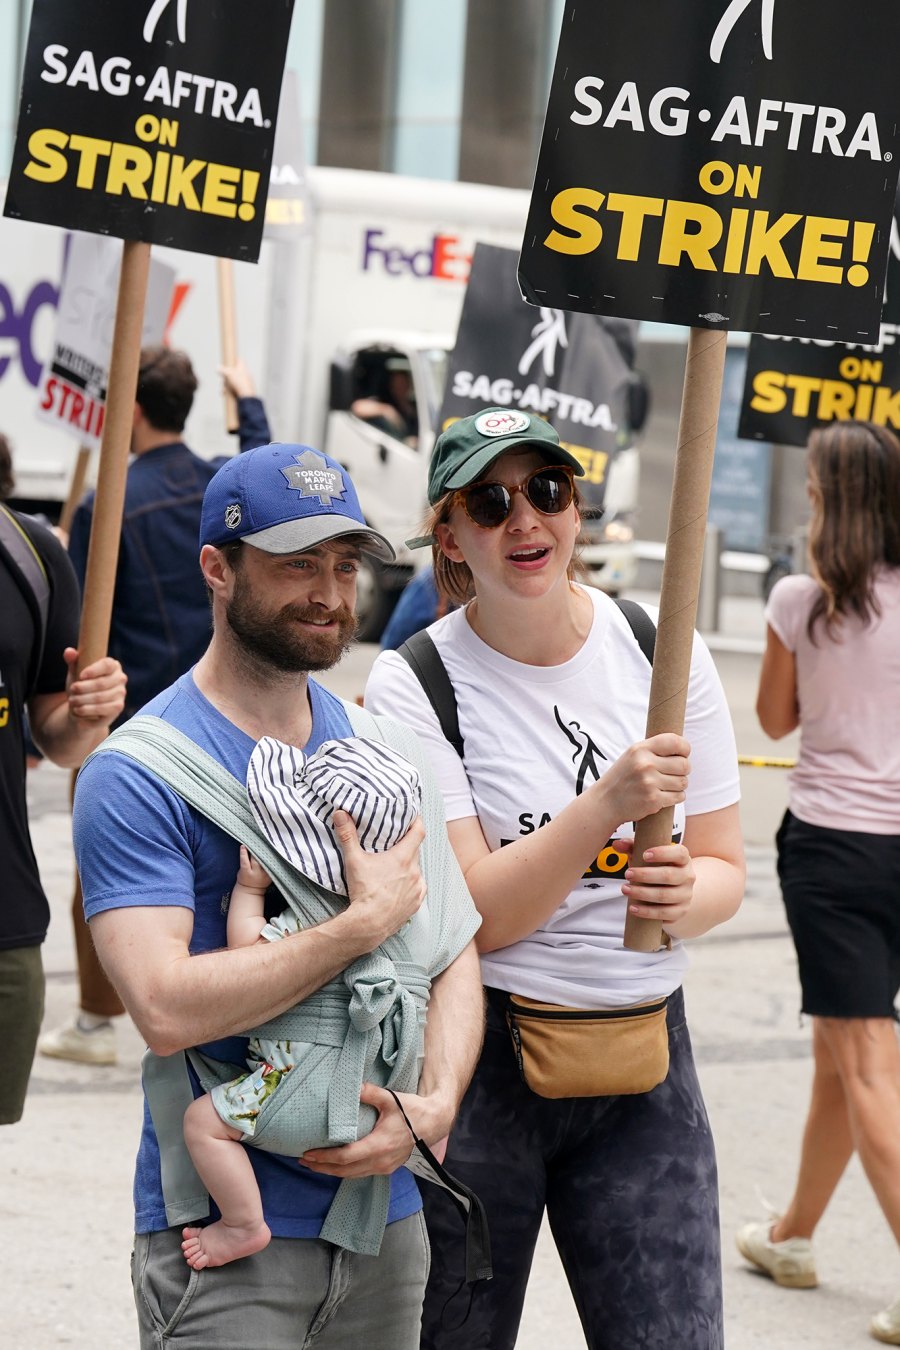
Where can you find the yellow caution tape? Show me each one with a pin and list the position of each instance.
(758, 762)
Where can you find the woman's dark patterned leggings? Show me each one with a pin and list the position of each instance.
(629, 1185)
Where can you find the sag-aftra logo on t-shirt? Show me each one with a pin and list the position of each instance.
(610, 862)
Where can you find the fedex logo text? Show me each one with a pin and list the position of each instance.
(17, 326)
(443, 258)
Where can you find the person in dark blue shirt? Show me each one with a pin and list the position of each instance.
(418, 606)
(161, 618)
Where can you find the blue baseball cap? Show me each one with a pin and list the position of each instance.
(285, 499)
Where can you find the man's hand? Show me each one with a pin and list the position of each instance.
(385, 889)
(97, 695)
(390, 1143)
(68, 725)
(237, 379)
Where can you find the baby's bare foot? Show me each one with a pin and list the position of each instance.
(220, 1243)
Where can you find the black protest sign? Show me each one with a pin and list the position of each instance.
(719, 164)
(739, 498)
(151, 120)
(794, 384)
(572, 369)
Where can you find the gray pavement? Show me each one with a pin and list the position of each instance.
(65, 1214)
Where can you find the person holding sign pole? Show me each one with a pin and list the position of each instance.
(68, 717)
(832, 667)
(160, 619)
(585, 1102)
(380, 987)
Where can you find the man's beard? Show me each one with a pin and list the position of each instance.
(275, 639)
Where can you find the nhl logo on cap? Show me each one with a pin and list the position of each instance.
(502, 423)
(233, 515)
(311, 476)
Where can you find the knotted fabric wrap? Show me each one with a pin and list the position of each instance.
(367, 1025)
(294, 797)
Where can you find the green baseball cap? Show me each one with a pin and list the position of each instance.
(463, 452)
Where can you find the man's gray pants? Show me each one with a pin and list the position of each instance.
(297, 1294)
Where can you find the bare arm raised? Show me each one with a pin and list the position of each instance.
(69, 725)
(247, 906)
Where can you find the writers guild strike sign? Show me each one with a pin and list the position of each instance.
(572, 369)
(72, 394)
(151, 119)
(794, 384)
(719, 164)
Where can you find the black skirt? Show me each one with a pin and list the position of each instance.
(841, 892)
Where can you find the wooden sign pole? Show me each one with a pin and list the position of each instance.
(681, 580)
(76, 487)
(103, 550)
(228, 325)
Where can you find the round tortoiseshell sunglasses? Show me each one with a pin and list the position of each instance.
(550, 490)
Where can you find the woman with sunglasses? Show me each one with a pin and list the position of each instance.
(551, 692)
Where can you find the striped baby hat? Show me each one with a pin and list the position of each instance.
(293, 797)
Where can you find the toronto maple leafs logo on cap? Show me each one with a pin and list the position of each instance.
(312, 476)
(502, 423)
(233, 515)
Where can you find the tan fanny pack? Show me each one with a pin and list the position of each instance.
(578, 1052)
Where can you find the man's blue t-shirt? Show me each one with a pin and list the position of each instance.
(138, 843)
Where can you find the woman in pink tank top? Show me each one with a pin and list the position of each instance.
(832, 667)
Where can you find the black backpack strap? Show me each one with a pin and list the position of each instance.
(30, 574)
(421, 655)
(641, 625)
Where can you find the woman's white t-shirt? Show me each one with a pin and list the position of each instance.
(535, 737)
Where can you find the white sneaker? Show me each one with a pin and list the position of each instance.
(72, 1041)
(885, 1326)
(791, 1263)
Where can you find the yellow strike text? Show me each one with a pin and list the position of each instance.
(735, 240)
(148, 175)
(825, 400)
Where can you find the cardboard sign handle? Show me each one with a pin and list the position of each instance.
(76, 487)
(228, 325)
(103, 549)
(703, 374)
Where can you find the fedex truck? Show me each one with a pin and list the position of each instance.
(379, 274)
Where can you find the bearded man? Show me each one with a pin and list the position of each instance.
(281, 537)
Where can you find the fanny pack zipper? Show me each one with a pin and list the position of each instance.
(579, 1014)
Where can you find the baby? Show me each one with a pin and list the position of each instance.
(214, 1144)
(380, 791)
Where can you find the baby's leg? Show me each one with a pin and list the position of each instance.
(227, 1173)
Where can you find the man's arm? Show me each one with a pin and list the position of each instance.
(453, 1035)
(179, 1000)
(69, 717)
(253, 425)
(67, 726)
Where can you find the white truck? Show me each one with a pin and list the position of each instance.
(382, 272)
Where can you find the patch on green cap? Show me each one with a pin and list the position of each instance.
(463, 452)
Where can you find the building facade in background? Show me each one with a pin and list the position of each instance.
(450, 90)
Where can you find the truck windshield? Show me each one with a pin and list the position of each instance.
(434, 364)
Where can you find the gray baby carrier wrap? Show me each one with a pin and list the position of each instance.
(365, 1026)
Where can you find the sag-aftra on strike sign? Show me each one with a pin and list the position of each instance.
(720, 164)
(151, 119)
